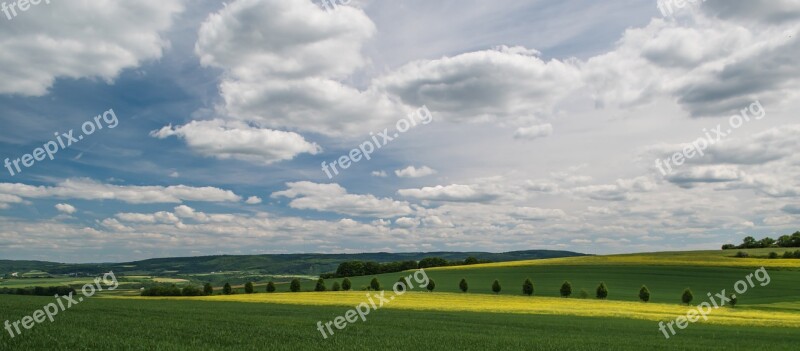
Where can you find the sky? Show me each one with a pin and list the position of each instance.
(158, 128)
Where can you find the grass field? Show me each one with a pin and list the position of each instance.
(766, 318)
(118, 324)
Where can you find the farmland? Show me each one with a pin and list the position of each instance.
(448, 318)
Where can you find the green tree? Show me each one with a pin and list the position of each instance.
(773, 255)
(248, 288)
(644, 294)
(527, 287)
(294, 286)
(733, 300)
(402, 286)
(788, 254)
(336, 286)
(749, 243)
(785, 241)
(431, 285)
(346, 284)
(208, 289)
(470, 260)
(463, 285)
(687, 296)
(270, 287)
(375, 284)
(320, 285)
(566, 289)
(602, 291)
(496, 286)
(227, 290)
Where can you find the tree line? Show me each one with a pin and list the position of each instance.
(767, 242)
(362, 268)
(39, 291)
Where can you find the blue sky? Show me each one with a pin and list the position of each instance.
(547, 120)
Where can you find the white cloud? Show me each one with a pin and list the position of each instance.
(79, 39)
(508, 85)
(381, 174)
(253, 200)
(453, 192)
(87, 189)
(534, 132)
(284, 62)
(224, 140)
(413, 172)
(334, 198)
(66, 208)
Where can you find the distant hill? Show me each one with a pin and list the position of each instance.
(307, 264)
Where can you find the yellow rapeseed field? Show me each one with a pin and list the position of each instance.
(516, 304)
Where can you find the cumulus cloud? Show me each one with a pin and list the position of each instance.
(534, 132)
(87, 189)
(413, 172)
(705, 174)
(224, 140)
(66, 208)
(334, 198)
(453, 193)
(78, 39)
(253, 200)
(284, 60)
(510, 85)
(708, 65)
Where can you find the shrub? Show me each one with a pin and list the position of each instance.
(336, 286)
(346, 284)
(191, 291)
(294, 286)
(431, 285)
(162, 290)
(270, 287)
(728, 247)
(644, 294)
(208, 289)
(687, 296)
(463, 285)
(402, 285)
(788, 254)
(773, 255)
(566, 289)
(733, 300)
(496, 286)
(320, 285)
(602, 291)
(583, 294)
(797, 254)
(374, 284)
(248, 287)
(527, 287)
(742, 254)
(227, 290)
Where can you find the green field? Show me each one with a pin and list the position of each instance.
(448, 319)
(106, 324)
